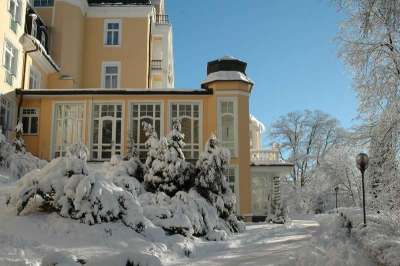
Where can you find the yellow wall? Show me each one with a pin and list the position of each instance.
(41, 145)
(133, 52)
(67, 41)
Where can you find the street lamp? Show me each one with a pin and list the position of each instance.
(362, 164)
(336, 191)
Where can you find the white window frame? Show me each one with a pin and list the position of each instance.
(236, 184)
(234, 100)
(15, 14)
(13, 56)
(140, 146)
(103, 73)
(34, 112)
(200, 119)
(54, 124)
(106, 30)
(36, 76)
(92, 118)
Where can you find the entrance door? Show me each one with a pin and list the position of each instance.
(107, 131)
(68, 127)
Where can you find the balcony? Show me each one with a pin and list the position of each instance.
(162, 20)
(156, 64)
(271, 155)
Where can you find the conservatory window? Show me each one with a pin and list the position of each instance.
(68, 126)
(34, 78)
(144, 112)
(10, 60)
(112, 32)
(30, 121)
(15, 11)
(111, 75)
(189, 114)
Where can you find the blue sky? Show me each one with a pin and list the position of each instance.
(288, 45)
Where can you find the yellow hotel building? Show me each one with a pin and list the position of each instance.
(91, 71)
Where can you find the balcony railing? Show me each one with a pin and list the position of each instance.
(156, 64)
(265, 155)
(162, 19)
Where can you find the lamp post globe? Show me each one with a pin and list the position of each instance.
(362, 161)
(336, 192)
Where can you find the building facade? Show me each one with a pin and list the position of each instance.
(92, 71)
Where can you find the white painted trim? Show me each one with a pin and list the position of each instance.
(53, 125)
(105, 102)
(231, 92)
(103, 68)
(201, 121)
(38, 122)
(106, 22)
(160, 102)
(127, 11)
(235, 120)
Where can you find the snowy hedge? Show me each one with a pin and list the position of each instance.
(15, 158)
(379, 238)
(166, 192)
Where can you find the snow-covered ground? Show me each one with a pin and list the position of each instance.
(26, 239)
(301, 242)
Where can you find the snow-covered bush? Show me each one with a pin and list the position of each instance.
(65, 186)
(211, 182)
(14, 157)
(187, 213)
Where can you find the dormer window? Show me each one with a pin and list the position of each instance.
(112, 32)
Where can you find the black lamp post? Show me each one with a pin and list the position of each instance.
(336, 191)
(362, 164)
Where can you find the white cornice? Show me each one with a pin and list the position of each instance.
(109, 11)
(119, 11)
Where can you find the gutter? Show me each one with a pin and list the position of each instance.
(23, 79)
(95, 92)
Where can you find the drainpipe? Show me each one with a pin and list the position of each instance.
(23, 79)
(150, 39)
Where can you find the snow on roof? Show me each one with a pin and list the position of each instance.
(259, 124)
(228, 57)
(227, 75)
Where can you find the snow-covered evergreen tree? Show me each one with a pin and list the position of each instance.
(211, 181)
(19, 143)
(167, 169)
(135, 167)
(155, 162)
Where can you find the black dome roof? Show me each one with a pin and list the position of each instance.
(226, 63)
